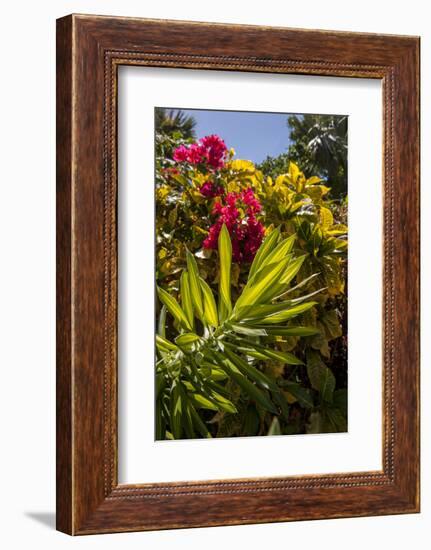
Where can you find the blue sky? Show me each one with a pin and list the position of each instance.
(254, 136)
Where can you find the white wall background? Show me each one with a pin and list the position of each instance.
(27, 279)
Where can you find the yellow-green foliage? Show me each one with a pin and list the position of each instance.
(283, 381)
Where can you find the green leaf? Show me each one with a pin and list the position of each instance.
(283, 356)
(198, 422)
(225, 253)
(332, 326)
(326, 218)
(280, 251)
(321, 378)
(186, 298)
(163, 344)
(160, 384)
(203, 402)
(251, 421)
(223, 403)
(283, 316)
(292, 269)
(210, 308)
(294, 171)
(248, 387)
(300, 299)
(302, 395)
(212, 400)
(187, 340)
(161, 329)
(274, 429)
(280, 399)
(195, 287)
(187, 418)
(265, 248)
(248, 331)
(176, 410)
(335, 419)
(280, 284)
(159, 423)
(264, 280)
(315, 423)
(263, 310)
(313, 180)
(213, 372)
(286, 331)
(300, 284)
(340, 400)
(250, 370)
(174, 308)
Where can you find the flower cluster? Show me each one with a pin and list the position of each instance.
(245, 230)
(209, 149)
(210, 190)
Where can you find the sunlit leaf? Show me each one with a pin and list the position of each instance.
(164, 344)
(210, 308)
(326, 218)
(195, 287)
(174, 308)
(284, 315)
(225, 253)
(253, 294)
(186, 298)
(313, 180)
(248, 331)
(289, 331)
(265, 248)
(279, 253)
(187, 339)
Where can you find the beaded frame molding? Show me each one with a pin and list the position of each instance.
(89, 51)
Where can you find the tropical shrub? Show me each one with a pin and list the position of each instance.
(319, 145)
(205, 197)
(217, 360)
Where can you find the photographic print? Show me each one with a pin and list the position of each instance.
(251, 273)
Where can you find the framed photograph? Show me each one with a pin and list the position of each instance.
(237, 274)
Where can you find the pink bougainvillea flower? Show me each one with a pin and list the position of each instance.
(195, 153)
(210, 190)
(209, 149)
(215, 150)
(246, 231)
(181, 153)
(250, 199)
(253, 239)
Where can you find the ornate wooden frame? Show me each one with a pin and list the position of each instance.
(89, 51)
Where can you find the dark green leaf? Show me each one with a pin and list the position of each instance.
(250, 370)
(302, 395)
(320, 376)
